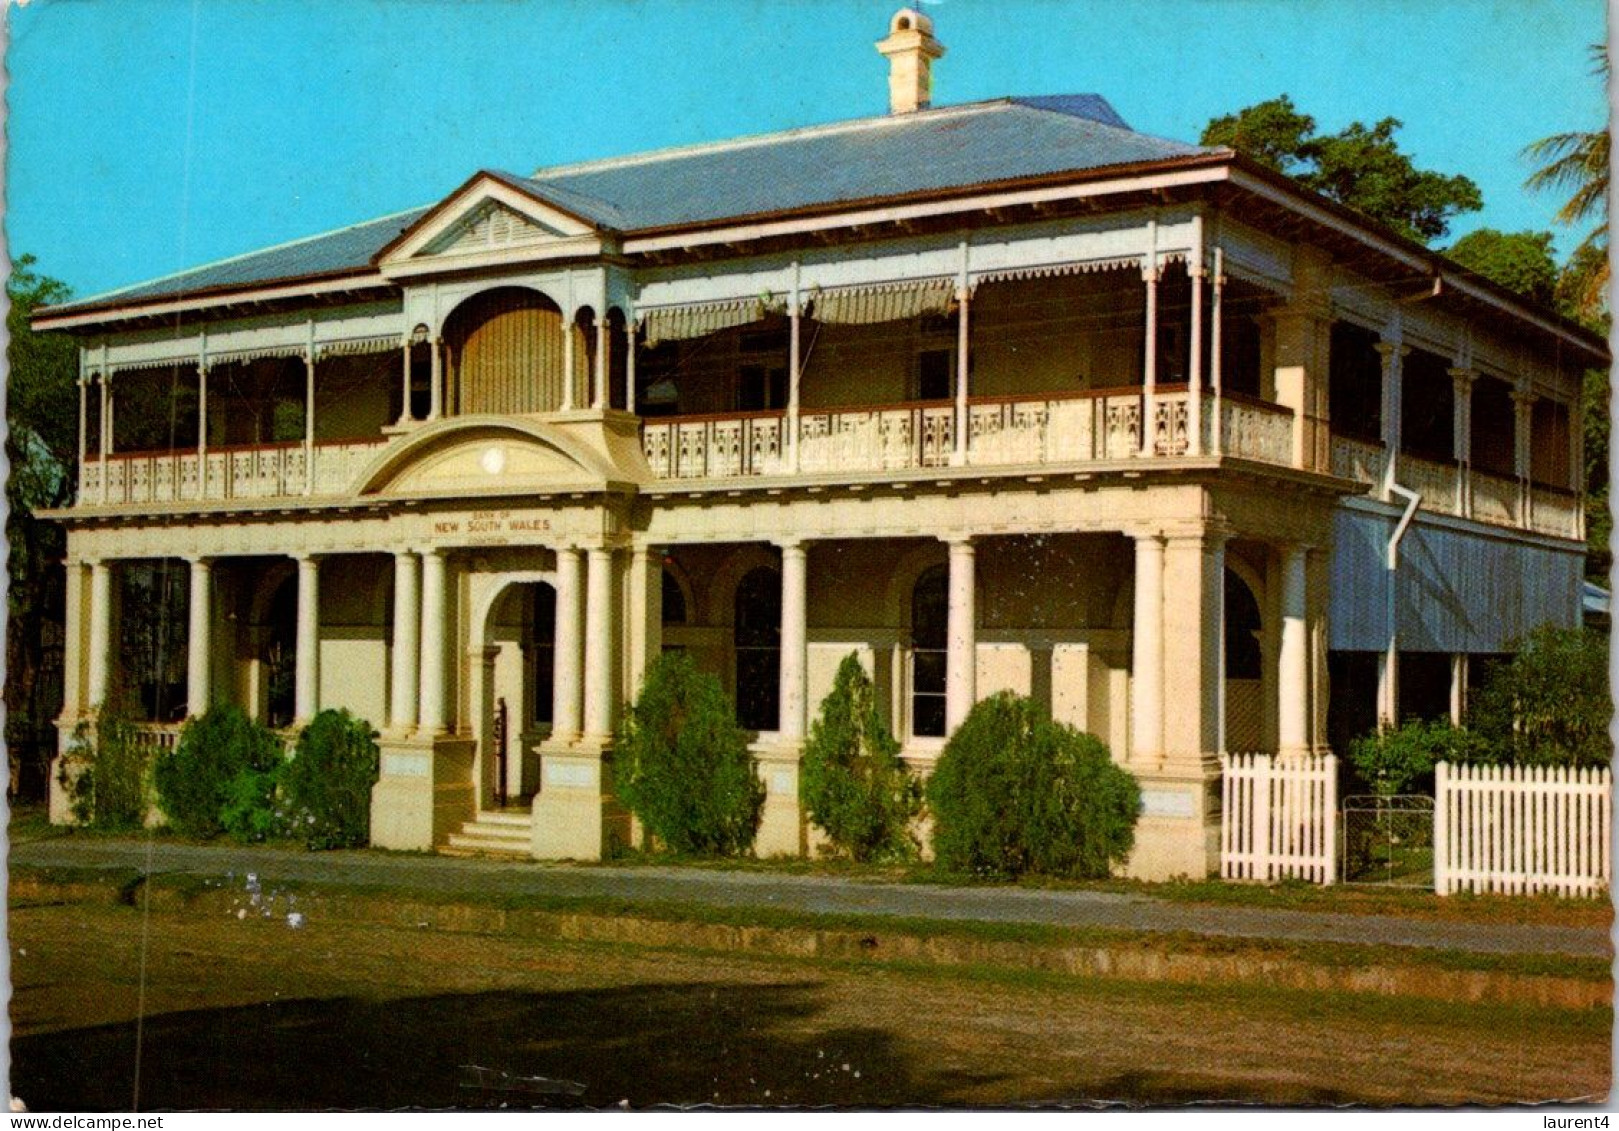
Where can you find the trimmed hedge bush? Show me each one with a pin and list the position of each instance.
(1401, 759)
(682, 763)
(221, 777)
(327, 785)
(852, 782)
(1015, 792)
(105, 770)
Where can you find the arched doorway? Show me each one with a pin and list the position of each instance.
(504, 353)
(757, 638)
(1244, 668)
(930, 636)
(518, 683)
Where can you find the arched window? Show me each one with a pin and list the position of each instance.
(758, 650)
(930, 632)
(540, 648)
(504, 353)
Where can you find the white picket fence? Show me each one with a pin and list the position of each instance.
(1522, 829)
(1280, 817)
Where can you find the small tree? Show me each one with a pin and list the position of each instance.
(105, 770)
(327, 785)
(1015, 792)
(221, 776)
(1550, 705)
(682, 763)
(852, 781)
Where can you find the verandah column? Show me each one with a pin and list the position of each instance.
(1147, 652)
(646, 613)
(1391, 398)
(963, 359)
(309, 421)
(199, 692)
(1523, 403)
(600, 636)
(568, 639)
(306, 679)
(73, 691)
(100, 633)
(1293, 659)
(961, 657)
(434, 635)
(794, 641)
(406, 675)
(598, 398)
(1461, 428)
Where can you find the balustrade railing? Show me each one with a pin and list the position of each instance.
(266, 471)
(1555, 512)
(1092, 426)
(1256, 430)
(1495, 498)
(1363, 461)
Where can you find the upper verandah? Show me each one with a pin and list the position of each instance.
(943, 166)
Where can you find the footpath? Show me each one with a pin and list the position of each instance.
(441, 878)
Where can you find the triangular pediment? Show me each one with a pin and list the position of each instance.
(489, 218)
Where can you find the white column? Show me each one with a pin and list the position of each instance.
(1216, 367)
(569, 638)
(1461, 427)
(1149, 371)
(202, 430)
(629, 364)
(84, 427)
(105, 409)
(600, 635)
(1391, 407)
(1147, 652)
(794, 329)
(407, 643)
(435, 610)
(1293, 660)
(1458, 687)
(100, 633)
(199, 693)
(961, 659)
(646, 613)
(309, 422)
(794, 641)
(1194, 382)
(306, 685)
(1523, 449)
(963, 371)
(567, 362)
(404, 379)
(435, 395)
(73, 699)
(1388, 683)
(598, 399)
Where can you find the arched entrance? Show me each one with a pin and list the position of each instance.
(518, 646)
(504, 353)
(1244, 667)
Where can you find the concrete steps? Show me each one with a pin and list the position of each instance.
(500, 832)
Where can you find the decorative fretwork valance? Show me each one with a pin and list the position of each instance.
(674, 323)
(884, 302)
(354, 347)
(1052, 270)
(117, 367)
(243, 357)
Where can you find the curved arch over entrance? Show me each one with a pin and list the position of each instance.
(516, 637)
(505, 353)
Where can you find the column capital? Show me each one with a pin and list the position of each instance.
(1464, 377)
(955, 541)
(1523, 398)
(1152, 274)
(791, 545)
(200, 561)
(1391, 349)
(1212, 533)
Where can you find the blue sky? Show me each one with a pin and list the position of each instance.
(151, 135)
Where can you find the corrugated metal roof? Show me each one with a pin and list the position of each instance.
(866, 159)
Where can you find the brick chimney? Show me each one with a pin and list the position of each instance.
(910, 49)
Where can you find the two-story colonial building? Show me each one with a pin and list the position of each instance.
(998, 395)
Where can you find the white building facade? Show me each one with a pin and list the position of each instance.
(997, 396)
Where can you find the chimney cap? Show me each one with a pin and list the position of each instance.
(910, 50)
(909, 19)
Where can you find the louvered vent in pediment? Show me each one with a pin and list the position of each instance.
(490, 226)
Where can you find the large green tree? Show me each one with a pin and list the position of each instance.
(42, 449)
(1360, 166)
(1520, 261)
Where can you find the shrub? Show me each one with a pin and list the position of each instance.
(1401, 759)
(327, 785)
(682, 763)
(105, 770)
(1550, 704)
(1015, 792)
(852, 783)
(221, 776)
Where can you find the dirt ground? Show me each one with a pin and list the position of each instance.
(252, 1013)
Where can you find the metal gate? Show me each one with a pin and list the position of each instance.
(1387, 840)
